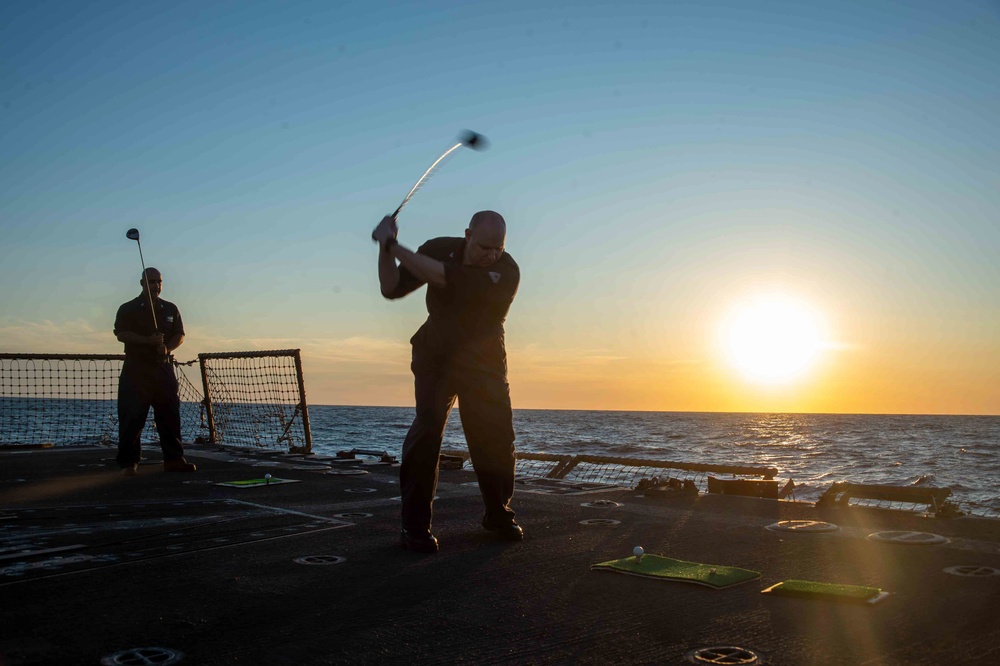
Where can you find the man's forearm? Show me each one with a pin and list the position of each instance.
(131, 338)
(423, 267)
(174, 342)
(388, 272)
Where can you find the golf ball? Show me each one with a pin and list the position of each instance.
(267, 476)
(637, 551)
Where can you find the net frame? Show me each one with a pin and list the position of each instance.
(256, 406)
(71, 400)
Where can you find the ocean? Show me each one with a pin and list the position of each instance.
(814, 450)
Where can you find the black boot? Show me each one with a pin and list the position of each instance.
(418, 541)
(507, 531)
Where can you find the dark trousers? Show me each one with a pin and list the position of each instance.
(140, 387)
(487, 419)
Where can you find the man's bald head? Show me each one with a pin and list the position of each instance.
(485, 238)
(151, 280)
(489, 218)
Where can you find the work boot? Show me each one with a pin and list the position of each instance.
(178, 465)
(418, 541)
(507, 531)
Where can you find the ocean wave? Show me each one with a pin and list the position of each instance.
(923, 480)
(819, 448)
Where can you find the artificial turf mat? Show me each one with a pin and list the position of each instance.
(805, 589)
(666, 568)
(256, 483)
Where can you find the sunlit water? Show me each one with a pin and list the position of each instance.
(960, 452)
(814, 450)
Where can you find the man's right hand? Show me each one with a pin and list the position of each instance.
(155, 340)
(385, 230)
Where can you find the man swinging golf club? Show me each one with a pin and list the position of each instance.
(458, 353)
(150, 328)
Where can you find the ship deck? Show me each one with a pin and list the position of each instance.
(94, 565)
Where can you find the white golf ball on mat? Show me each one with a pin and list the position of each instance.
(267, 477)
(638, 552)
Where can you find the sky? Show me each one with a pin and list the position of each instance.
(662, 167)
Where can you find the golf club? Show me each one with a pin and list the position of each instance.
(468, 139)
(133, 234)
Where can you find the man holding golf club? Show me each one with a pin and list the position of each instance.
(150, 328)
(458, 353)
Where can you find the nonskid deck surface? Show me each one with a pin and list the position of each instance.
(94, 564)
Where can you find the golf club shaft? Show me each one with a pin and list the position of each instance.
(149, 294)
(424, 177)
(468, 138)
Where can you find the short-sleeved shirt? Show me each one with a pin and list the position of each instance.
(468, 313)
(134, 316)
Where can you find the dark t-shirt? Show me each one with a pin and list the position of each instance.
(467, 314)
(134, 316)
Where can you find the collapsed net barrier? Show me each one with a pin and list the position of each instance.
(628, 472)
(632, 472)
(257, 400)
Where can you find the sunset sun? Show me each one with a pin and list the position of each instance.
(772, 338)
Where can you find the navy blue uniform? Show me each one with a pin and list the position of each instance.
(148, 380)
(459, 353)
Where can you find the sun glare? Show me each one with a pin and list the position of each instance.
(772, 338)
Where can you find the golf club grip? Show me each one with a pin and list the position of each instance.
(393, 216)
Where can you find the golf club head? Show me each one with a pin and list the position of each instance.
(132, 234)
(474, 140)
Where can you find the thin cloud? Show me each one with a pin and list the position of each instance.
(587, 365)
(76, 336)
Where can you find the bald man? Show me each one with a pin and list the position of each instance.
(458, 353)
(147, 377)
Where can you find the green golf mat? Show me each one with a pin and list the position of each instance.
(805, 589)
(665, 568)
(256, 483)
